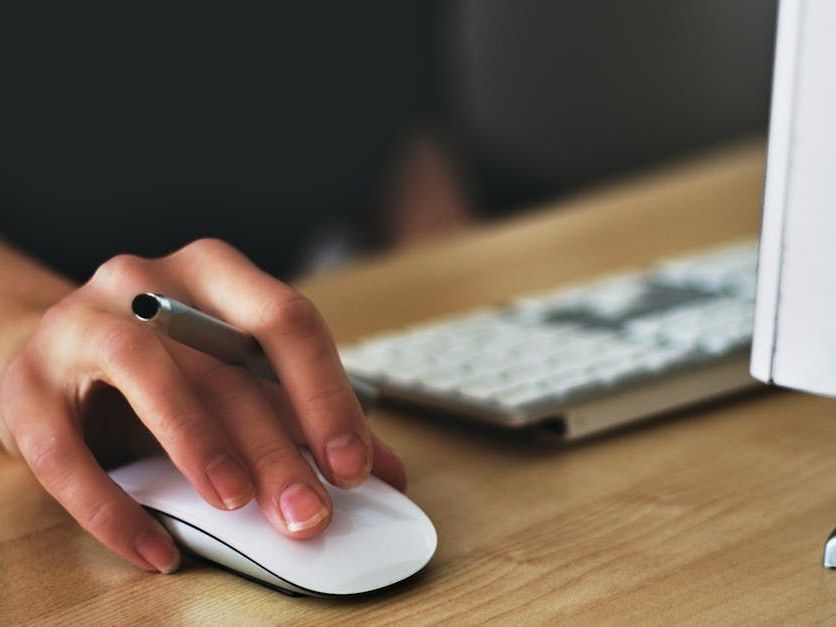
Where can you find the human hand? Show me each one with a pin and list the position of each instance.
(234, 437)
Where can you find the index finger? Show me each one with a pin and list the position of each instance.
(222, 281)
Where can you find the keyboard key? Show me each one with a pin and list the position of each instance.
(586, 340)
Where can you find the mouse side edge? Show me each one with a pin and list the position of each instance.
(157, 485)
(234, 561)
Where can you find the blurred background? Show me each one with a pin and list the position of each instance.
(309, 133)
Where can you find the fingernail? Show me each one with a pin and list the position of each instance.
(231, 482)
(158, 550)
(348, 459)
(301, 507)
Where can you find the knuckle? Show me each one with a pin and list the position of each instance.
(46, 457)
(205, 246)
(120, 270)
(226, 384)
(268, 457)
(183, 428)
(125, 343)
(56, 317)
(222, 376)
(101, 515)
(329, 397)
(293, 315)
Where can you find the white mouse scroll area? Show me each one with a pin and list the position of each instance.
(376, 538)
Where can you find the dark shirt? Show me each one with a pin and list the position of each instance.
(137, 127)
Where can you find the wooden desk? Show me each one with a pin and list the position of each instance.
(717, 516)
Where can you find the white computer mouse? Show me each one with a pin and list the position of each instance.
(377, 536)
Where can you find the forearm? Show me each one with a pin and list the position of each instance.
(27, 289)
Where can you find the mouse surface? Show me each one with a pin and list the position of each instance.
(376, 537)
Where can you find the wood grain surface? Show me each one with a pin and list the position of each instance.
(717, 515)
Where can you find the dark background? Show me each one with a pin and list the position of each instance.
(139, 127)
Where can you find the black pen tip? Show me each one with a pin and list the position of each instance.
(145, 306)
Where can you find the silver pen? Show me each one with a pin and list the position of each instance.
(214, 337)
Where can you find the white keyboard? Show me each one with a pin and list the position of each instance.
(592, 356)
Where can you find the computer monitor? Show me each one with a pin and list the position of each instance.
(794, 342)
